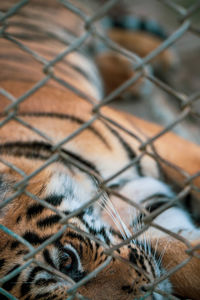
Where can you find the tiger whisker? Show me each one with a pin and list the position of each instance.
(113, 208)
(115, 220)
(162, 253)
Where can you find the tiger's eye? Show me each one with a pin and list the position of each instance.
(67, 262)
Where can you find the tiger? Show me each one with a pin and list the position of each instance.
(58, 179)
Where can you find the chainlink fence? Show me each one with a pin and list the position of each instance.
(186, 109)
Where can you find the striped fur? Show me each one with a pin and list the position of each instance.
(100, 151)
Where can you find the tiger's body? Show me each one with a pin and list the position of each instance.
(74, 174)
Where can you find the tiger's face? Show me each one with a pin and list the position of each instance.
(73, 253)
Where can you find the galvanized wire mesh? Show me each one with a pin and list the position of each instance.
(139, 65)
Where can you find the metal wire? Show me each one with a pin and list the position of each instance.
(140, 67)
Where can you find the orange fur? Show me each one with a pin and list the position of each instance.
(55, 99)
(186, 280)
(116, 68)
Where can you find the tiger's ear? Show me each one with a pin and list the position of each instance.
(141, 37)
(185, 281)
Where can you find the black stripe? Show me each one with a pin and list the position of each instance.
(74, 235)
(18, 219)
(81, 160)
(2, 262)
(34, 210)
(8, 285)
(80, 251)
(96, 254)
(65, 117)
(136, 24)
(48, 221)
(130, 152)
(95, 232)
(115, 233)
(151, 208)
(26, 286)
(90, 77)
(48, 258)
(27, 149)
(141, 260)
(37, 32)
(133, 256)
(44, 282)
(157, 196)
(103, 232)
(39, 150)
(14, 245)
(54, 200)
(34, 239)
(102, 253)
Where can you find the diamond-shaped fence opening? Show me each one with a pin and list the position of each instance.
(82, 29)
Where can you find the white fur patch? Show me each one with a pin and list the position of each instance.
(89, 68)
(144, 187)
(176, 220)
(74, 194)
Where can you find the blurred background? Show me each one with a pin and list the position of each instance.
(184, 78)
